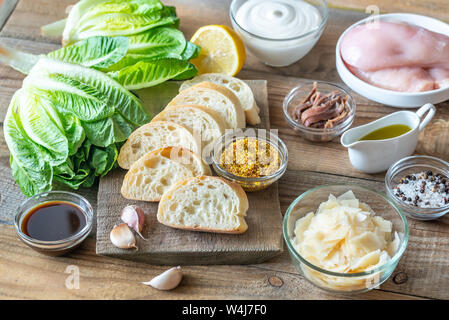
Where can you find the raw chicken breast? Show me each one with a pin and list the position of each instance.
(441, 77)
(405, 79)
(371, 47)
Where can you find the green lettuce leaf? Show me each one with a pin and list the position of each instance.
(191, 51)
(116, 18)
(25, 152)
(88, 94)
(30, 181)
(150, 73)
(32, 173)
(108, 131)
(97, 52)
(158, 42)
(74, 132)
(103, 159)
(42, 125)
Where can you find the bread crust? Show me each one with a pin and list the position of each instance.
(212, 113)
(205, 169)
(239, 112)
(247, 101)
(207, 112)
(123, 158)
(244, 205)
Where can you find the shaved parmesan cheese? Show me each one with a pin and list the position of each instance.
(367, 242)
(345, 236)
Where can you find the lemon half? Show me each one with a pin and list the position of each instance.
(222, 50)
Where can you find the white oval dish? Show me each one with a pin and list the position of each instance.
(389, 97)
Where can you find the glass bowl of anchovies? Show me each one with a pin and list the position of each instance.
(419, 185)
(319, 111)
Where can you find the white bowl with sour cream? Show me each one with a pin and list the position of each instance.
(279, 32)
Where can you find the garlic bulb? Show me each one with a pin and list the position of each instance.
(167, 280)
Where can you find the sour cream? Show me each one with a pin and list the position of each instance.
(275, 30)
(280, 19)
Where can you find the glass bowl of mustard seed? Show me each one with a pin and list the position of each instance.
(419, 185)
(254, 158)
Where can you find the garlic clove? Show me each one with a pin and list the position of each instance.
(122, 237)
(134, 217)
(167, 280)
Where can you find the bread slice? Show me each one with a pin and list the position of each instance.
(156, 135)
(155, 172)
(204, 123)
(215, 97)
(209, 204)
(239, 87)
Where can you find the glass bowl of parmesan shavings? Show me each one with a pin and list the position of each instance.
(345, 238)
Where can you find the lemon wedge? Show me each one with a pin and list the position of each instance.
(222, 50)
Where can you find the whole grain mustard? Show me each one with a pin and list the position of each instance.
(250, 158)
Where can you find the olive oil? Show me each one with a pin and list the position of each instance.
(387, 132)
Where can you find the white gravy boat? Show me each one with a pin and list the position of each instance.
(372, 156)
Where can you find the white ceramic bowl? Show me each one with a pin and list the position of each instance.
(389, 97)
(280, 52)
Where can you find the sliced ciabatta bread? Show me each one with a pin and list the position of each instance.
(205, 203)
(215, 97)
(156, 135)
(239, 87)
(155, 172)
(202, 122)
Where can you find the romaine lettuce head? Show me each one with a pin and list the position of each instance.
(94, 36)
(65, 125)
(116, 18)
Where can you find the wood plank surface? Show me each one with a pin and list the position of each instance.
(29, 275)
(168, 246)
(422, 272)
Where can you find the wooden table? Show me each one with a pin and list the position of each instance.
(422, 272)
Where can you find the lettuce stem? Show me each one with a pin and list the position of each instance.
(54, 29)
(21, 61)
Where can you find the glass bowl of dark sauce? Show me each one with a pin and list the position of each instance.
(54, 222)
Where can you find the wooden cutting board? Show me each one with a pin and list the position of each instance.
(167, 246)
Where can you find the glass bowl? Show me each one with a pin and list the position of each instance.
(337, 282)
(280, 52)
(410, 165)
(59, 247)
(295, 97)
(257, 183)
